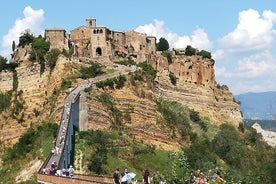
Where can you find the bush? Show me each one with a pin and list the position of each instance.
(52, 57)
(65, 84)
(175, 116)
(148, 69)
(92, 71)
(190, 51)
(26, 38)
(162, 45)
(205, 54)
(168, 55)
(172, 78)
(5, 100)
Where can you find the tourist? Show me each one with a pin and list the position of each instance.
(122, 175)
(116, 176)
(71, 171)
(146, 177)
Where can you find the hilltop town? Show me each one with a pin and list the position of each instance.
(42, 98)
(99, 42)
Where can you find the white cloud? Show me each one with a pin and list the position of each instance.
(258, 65)
(199, 39)
(218, 54)
(32, 20)
(253, 32)
(253, 73)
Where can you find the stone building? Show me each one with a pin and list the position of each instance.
(57, 37)
(92, 41)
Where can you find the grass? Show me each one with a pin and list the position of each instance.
(47, 146)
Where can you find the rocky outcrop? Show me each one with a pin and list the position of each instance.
(37, 90)
(268, 136)
(196, 87)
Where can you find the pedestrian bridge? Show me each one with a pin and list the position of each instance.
(61, 156)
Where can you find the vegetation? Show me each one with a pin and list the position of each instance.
(67, 53)
(223, 87)
(168, 55)
(116, 82)
(190, 51)
(51, 58)
(92, 71)
(36, 142)
(39, 48)
(205, 54)
(162, 45)
(26, 38)
(172, 78)
(127, 62)
(116, 116)
(65, 84)
(147, 70)
(13, 45)
(6, 66)
(175, 116)
(5, 100)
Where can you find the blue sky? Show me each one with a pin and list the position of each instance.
(240, 34)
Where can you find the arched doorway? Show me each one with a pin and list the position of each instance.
(98, 51)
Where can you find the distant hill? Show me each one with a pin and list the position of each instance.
(258, 106)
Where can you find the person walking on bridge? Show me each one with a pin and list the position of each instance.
(71, 171)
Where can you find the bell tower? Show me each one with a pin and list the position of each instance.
(91, 22)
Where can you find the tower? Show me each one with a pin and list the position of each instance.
(91, 22)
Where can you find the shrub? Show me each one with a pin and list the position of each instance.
(172, 78)
(92, 71)
(205, 54)
(190, 51)
(148, 69)
(162, 45)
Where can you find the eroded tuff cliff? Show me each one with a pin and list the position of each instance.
(195, 87)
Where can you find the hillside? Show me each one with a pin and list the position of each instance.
(141, 111)
(37, 92)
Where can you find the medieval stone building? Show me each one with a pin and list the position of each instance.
(91, 41)
(57, 37)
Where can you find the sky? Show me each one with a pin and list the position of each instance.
(240, 34)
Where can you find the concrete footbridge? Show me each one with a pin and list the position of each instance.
(55, 169)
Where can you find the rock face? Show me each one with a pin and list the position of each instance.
(196, 87)
(37, 90)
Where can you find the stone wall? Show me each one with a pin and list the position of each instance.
(57, 38)
(98, 41)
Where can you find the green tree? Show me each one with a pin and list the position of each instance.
(162, 45)
(15, 81)
(92, 71)
(205, 54)
(26, 38)
(172, 78)
(190, 51)
(51, 58)
(13, 45)
(148, 69)
(3, 63)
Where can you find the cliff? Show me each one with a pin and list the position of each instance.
(195, 87)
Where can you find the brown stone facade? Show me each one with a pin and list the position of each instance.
(92, 41)
(57, 37)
